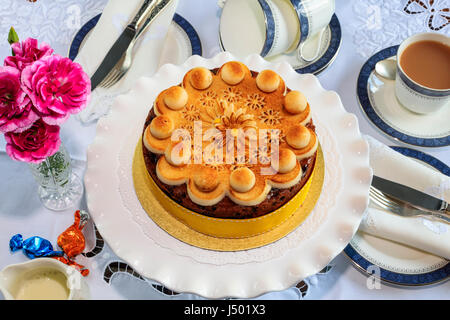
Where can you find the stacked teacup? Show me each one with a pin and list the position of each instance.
(272, 27)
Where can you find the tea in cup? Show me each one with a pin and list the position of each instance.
(422, 82)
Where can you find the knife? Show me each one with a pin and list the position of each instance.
(412, 196)
(120, 46)
(409, 211)
(159, 6)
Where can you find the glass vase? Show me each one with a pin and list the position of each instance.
(59, 188)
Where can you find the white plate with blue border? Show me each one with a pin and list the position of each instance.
(399, 264)
(182, 40)
(377, 99)
(330, 42)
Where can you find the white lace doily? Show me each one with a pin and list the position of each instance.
(378, 24)
(53, 22)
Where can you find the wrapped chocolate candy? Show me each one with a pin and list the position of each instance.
(33, 247)
(72, 240)
(84, 272)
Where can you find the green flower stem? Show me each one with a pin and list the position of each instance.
(12, 37)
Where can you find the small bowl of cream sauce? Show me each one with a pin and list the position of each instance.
(43, 279)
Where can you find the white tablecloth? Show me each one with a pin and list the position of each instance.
(367, 27)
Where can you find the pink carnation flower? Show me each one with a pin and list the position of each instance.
(57, 86)
(16, 112)
(26, 52)
(35, 144)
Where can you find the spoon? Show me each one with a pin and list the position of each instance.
(386, 68)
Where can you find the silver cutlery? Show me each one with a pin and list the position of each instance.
(401, 208)
(121, 44)
(124, 64)
(386, 68)
(411, 196)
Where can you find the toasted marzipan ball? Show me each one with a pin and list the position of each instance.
(200, 78)
(242, 179)
(175, 98)
(206, 179)
(295, 102)
(298, 136)
(232, 72)
(268, 81)
(161, 127)
(286, 160)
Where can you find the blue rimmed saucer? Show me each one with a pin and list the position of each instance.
(182, 40)
(378, 101)
(330, 42)
(395, 261)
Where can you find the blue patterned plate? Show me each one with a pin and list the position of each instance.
(180, 29)
(329, 47)
(395, 261)
(378, 101)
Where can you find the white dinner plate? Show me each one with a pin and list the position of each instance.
(399, 264)
(156, 255)
(182, 40)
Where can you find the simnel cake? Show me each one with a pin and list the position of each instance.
(230, 143)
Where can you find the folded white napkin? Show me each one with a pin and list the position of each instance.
(421, 233)
(116, 15)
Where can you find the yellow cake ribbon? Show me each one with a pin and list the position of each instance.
(219, 227)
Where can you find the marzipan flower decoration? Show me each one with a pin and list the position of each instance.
(255, 101)
(224, 115)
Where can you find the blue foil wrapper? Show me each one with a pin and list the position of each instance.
(33, 247)
(16, 242)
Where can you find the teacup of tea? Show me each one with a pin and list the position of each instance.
(422, 82)
(271, 27)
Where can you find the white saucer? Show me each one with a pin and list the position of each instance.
(330, 42)
(182, 40)
(378, 101)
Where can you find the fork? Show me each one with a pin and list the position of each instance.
(401, 208)
(124, 64)
(120, 68)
